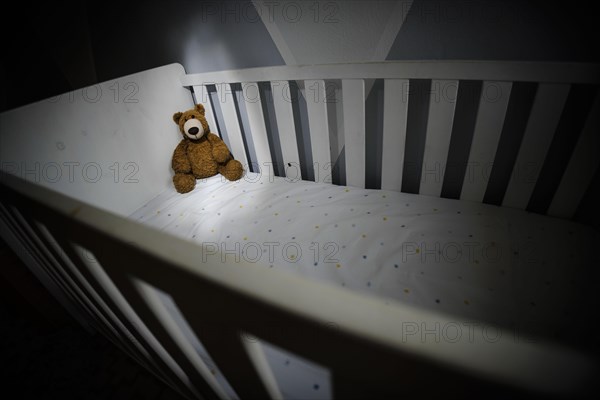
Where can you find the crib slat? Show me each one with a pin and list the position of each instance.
(442, 104)
(82, 293)
(94, 271)
(18, 228)
(129, 329)
(151, 311)
(85, 317)
(286, 128)
(581, 168)
(318, 122)
(353, 103)
(77, 293)
(39, 251)
(545, 114)
(486, 136)
(395, 114)
(258, 130)
(232, 124)
(99, 307)
(203, 97)
(9, 218)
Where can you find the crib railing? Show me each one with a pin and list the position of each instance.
(516, 134)
(105, 264)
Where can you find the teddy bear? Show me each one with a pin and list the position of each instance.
(201, 154)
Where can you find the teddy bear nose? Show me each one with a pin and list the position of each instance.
(193, 130)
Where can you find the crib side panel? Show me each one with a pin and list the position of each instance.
(322, 323)
(503, 156)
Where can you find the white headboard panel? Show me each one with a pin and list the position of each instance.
(109, 145)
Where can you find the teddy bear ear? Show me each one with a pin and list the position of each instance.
(177, 116)
(200, 108)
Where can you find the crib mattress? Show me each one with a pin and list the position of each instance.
(526, 272)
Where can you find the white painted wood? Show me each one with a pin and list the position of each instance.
(113, 142)
(282, 101)
(545, 114)
(442, 104)
(258, 130)
(488, 127)
(353, 103)
(581, 169)
(203, 97)
(318, 123)
(395, 114)
(232, 124)
(476, 70)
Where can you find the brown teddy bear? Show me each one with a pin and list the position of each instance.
(200, 154)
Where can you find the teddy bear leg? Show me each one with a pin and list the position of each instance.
(232, 170)
(184, 182)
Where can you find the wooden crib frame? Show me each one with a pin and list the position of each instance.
(96, 262)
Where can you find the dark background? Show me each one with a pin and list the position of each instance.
(54, 47)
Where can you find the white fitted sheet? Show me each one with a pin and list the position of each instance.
(480, 262)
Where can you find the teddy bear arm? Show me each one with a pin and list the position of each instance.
(219, 149)
(181, 162)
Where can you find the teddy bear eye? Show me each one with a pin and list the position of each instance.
(192, 117)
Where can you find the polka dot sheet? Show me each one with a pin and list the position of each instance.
(479, 262)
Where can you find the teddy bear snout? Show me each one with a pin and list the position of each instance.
(193, 128)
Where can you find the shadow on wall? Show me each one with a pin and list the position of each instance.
(61, 47)
(201, 35)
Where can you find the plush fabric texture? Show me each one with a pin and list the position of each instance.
(203, 157)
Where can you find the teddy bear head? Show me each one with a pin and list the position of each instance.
(192, 123)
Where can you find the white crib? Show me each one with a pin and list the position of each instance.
(76, 166)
